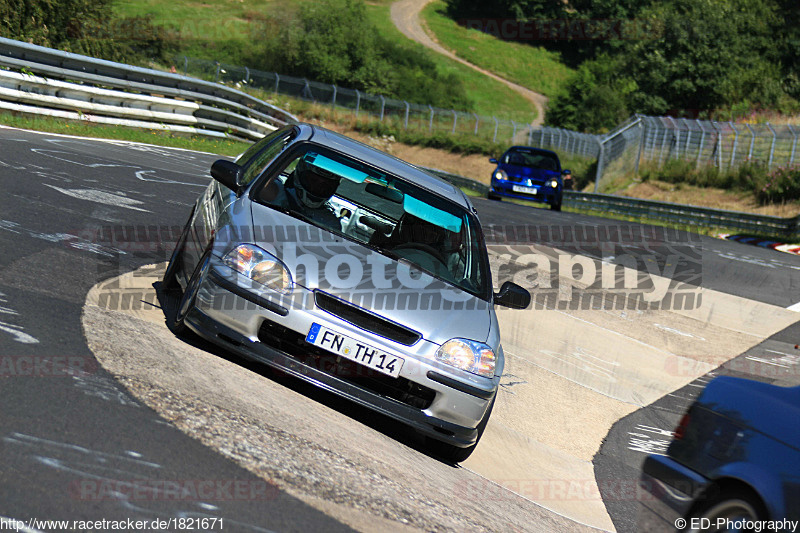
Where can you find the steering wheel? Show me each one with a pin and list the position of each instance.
(427, 248)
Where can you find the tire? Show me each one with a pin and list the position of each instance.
(493, 196)
(454, 454)
(190, 294)
(556, 207)
(731, 506)
(170, 279)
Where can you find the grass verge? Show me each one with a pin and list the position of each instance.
(533, 67)
(104, 131)
(489, 97)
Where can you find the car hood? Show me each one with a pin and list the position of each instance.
(537, 174)
(319, 260)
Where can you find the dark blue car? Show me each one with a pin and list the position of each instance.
(734, 459)
(529, 174)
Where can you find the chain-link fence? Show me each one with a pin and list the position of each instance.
(724, 145)
(398, 113)
(654, 140)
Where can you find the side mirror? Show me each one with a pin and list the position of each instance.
(566, 172)
(492, 160)
(228, 173)
(513, 296)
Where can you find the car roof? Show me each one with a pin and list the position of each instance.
(387, 162)
(532, 149)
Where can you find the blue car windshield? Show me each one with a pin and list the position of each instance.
(393, 216)
(531, 158)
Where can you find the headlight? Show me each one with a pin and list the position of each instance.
(259, 266)
(500, 175)
(472, 356)
(553, 183)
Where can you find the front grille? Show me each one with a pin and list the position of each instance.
(295, 345)
(365, 320)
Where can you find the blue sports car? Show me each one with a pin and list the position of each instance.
(529, 174)
(734, 463)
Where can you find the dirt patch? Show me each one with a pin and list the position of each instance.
(707, 197)
(473, 166)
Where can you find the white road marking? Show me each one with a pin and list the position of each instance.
(65, 155)
(677, 332)
(795, 307)
(101, 197)
(8, 225)
(141, 175)
(19, 335)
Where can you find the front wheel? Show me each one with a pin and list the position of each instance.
(190, 294)
(170, 280)
(556, 207)
(492, 196)
(454, 454)
(725, 511)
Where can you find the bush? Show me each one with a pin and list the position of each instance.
(334, 41)
(782, 184)
(84, 27)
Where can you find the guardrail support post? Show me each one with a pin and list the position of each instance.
(216, 75)
(530, 134)
(688, 139)
(600, 155)
(185, 66)
(772, 146)
(455, 118)
(702, 141)
(383, 106)
(641, 146)
(277, 81)
(794, 143)
(476, 123)
(430, 120)
(718, 145)
(246, 75)
(514, 134)
(358, 102)
(752, 142)
(333, 99)
(405, 120)
(735, 143)
(494, 139)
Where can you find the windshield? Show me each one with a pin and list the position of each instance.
(390, 215)
(531, 158)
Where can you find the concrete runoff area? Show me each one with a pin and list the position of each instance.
(569, 375)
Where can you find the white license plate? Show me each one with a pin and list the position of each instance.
(354, 350)
(526, 190)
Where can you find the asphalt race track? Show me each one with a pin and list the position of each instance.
(263, 453)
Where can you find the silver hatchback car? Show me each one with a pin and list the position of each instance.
(352, 270)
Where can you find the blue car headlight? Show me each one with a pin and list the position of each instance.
(500, 174)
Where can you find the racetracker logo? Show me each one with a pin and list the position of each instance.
(173, 490)
(39, 366)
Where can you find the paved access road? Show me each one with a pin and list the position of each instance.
(75, 444)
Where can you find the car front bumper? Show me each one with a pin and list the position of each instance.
(546, 194)
(228, 314)
(672, 489)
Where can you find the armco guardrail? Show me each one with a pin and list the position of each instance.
(140, 96)
(665, 211)
(684, 214)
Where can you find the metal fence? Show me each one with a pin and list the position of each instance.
(398, 113)
(724, 145)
